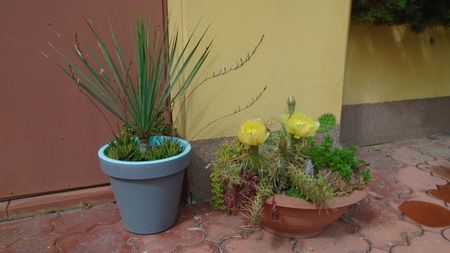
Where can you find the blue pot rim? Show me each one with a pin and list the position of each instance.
(186, 145)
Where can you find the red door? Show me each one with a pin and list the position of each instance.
(49, 131)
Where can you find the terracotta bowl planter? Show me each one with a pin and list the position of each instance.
(301, 219)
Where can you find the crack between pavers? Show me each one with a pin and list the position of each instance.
(418, 151)
(58, 236)
(243, 233)
(178, 248)
(406, 236)
(443, 235)
(399, 194)
(55, 244)
(402, 164)
(369, 243)
(27, 238)
(356, 228)
(432, 173)
(197, 227)
(226, 238)
(92, 227)
(428, 193)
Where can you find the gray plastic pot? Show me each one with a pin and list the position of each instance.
(147, 193)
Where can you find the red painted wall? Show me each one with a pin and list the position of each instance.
(49, 131)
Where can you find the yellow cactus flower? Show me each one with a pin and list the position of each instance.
(252, 132)
(300, 125)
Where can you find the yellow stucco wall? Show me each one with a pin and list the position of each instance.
(303, 53)
(393, 63)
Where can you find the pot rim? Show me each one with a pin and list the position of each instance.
(336, 202)
(186, 145)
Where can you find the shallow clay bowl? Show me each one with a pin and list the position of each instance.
(301, 219)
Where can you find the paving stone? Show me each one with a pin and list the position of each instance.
(380, 160)
(435, 148)
(439, 168)
(260, 241)
(12, 231)
(428, 242)
(185, 233)
(375, 250)
(79, 221)
(370, 152)
(421, 196)
(201, 209)
(364, 211)
(380, 225)
(379, 221)
(418, 180)
(385, 185)
(42, 244)
(103, 238)
(409, 156)
(333, 239)
(204, 247)
(219, 225)
(446, 234)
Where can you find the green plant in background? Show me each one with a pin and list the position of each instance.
(327, 122)
(420, 14)
(341, 160)
(125, 148)
(163, 149)
(366, 175)
(248, 170)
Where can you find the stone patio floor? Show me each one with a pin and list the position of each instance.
(405, 170)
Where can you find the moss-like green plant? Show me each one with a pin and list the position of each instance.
(217, 191)
(327, 122)
(342, 160)
(366, 175)
(125, 148)
(164, 149)
(295, 192)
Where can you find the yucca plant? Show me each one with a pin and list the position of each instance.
(139, 91)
